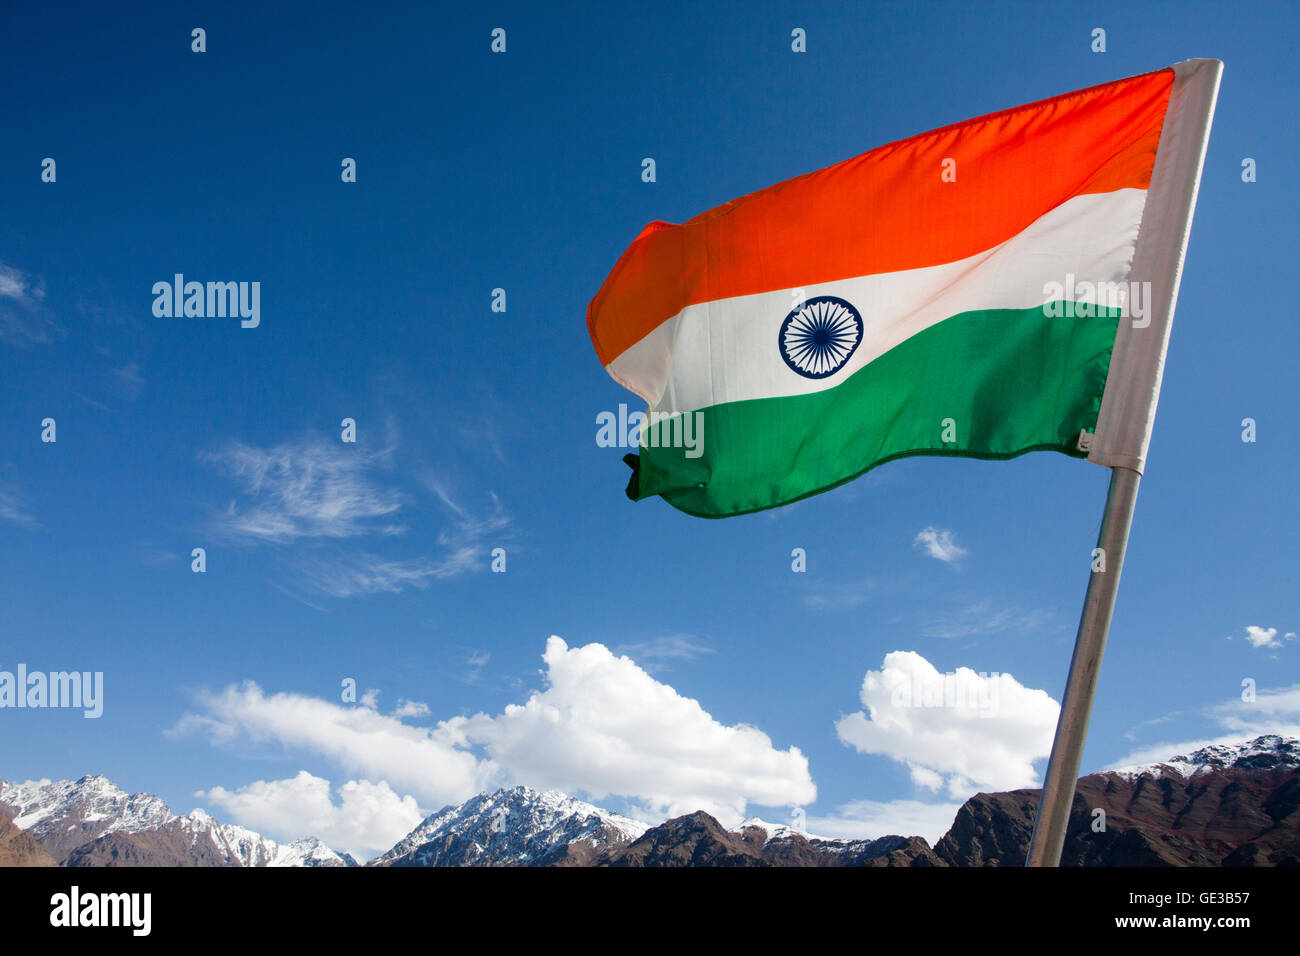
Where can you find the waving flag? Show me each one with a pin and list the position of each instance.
(995, 287)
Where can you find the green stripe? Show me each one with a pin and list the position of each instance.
(1013, 380)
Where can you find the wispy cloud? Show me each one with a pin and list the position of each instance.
(475, 662)
(982, 618)
(939, 545)
(841, 597)
(659, 654)
(343, 576)
(1270, 711)
(129, 379)
(13, 506)
(307, 489)
(23, 318)
(469, 530)
(319, 493)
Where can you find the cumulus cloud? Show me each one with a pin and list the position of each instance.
(1265, 637)
(602, 726)
(368, 819)
(962, 730)
(605, 726)
(938, 545)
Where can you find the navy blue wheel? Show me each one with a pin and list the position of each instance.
(820, 336)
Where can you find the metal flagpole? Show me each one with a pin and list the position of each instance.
(1085, 666)
(1124, 421)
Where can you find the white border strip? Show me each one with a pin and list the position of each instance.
(1128, 407)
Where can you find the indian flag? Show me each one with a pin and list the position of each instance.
(995, 287)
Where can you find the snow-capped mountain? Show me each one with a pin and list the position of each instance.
(94, 822)
(772, 831)
(64, 814)
(515, 827)
(1270, 752)
(310, 851)
(1223, 805)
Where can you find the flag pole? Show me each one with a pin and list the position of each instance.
(1085, 666)
(1124, 422)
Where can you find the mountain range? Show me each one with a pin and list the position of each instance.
(1226, 805)
(93, 822)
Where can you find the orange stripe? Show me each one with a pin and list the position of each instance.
(888, 209)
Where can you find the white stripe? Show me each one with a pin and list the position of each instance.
(727, 350)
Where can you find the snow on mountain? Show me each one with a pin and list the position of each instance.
(39, 806)
(1263, 753)
(66, 816)
(775, 831)
(310, 851)
(515, 827)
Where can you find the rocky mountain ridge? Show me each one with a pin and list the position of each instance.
(1221, 805)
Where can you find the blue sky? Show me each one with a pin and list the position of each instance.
(476, 429)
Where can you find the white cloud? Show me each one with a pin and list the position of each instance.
(871, 819)
(1262, 636)
(426, 762)
(967, 729)
(938, 545)
(368, 819)
(17, 287)
(411, 708)
(602, 726)
(605, 726)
